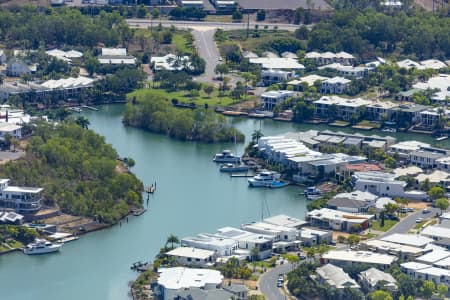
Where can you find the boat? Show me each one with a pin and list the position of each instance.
(226, 157)
(442, 137)
(41, 246)
(264, 179)
(389, 130)
(76, 109)
(312, 193)
(233, 168)
(278, 184)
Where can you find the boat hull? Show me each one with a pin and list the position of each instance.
(50, 249)
(230, 160)
(234, 169)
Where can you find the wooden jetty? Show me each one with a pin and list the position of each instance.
(90, 107)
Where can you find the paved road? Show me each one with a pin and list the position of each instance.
(268, 282)
(209, 25)
(410, 221)
(207, 49)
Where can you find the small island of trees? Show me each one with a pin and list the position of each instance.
(157, 114)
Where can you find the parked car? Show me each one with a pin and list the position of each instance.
(279, 284)
(220, 58)
(426, 211)
(419, 220)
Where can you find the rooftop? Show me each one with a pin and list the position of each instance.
(179, 277)
(287, 4)
(336, 277)
(394, 247)
(373, 276)
(114, 51)
(286, 221)
(433, 256)
(436, 231)
(414, 240)
(277, 62)
(191, 252)
(436, 176)
(360, 257)
(331, 214)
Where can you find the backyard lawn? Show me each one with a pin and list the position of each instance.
(376, 225)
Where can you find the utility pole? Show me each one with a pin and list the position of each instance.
(248, 24)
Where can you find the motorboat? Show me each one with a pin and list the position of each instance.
(264, 179)
(42, 246)
(233, 168)
(442, 137)
(226, 157)
(312, 192)
(389, 129)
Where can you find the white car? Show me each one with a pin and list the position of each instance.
(419, 220)
(220, 58)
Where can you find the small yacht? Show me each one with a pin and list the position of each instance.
(226, 157)
(388, 129)
(312, 193)
(233, 168)
(264, 179)
(442, 137)
(41, 246)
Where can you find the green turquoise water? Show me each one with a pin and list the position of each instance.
(191, 197)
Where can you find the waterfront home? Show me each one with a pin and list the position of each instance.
(11, 218)
(172, 281)
(269, 77)
(247, 241)
(345, 108)
(21, 199)
(68, 87)
(190, 256)
(222, 246)
(286, 221)
(384, 184)
(277, 63)
(431, 117)
(404, 148)
(116, 56)
(335, 85)
(12, 130)
(353, 202)
(373, 279)
(284, 238)
(337, 220)
(349, 257)
(407, 114)
(381, 111)
(312, 237)
(413, 240)
(271, 98)
(309, 80)
(439, 234)
(404, 252)
(169, 62)
(334, 277)
(422, 271)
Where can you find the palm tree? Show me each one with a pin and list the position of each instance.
(256, 135)
(172, 239)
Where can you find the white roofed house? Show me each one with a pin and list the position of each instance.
(427, 157)
(116, 56)
(335, 85)
(68, 87)
(348, 257)
(334, 277)
(381, 111)
(337, 220)
(422, 271)
(309, 80)
(353, 202)
(222, 246)
(345, 108)
(269, 77)
(373, 278)
(440, 83)
(17, 67)
(439, 234)
(171, 281)
(21, 199)
(277, 63)
(12, 129)
(190, 256)
(170, 62)
(430, 118)
(403, 149)
(270, 99)
(247, 241)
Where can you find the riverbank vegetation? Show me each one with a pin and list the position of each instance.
(77, 170)
(157, 114)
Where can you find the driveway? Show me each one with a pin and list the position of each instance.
(268, 282)
(409, 222)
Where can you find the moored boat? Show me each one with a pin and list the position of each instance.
(264, 179)
(41, 246)
(226, 157)
(233, 168)
(312, 193)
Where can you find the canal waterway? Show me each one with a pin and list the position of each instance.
(191, 197)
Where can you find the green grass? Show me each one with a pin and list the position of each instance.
(262, 264)
(183, 41)
(369, 124)
(339, 123)
(184, 97)
(218, 18)
(15, 244)
(376, 225)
